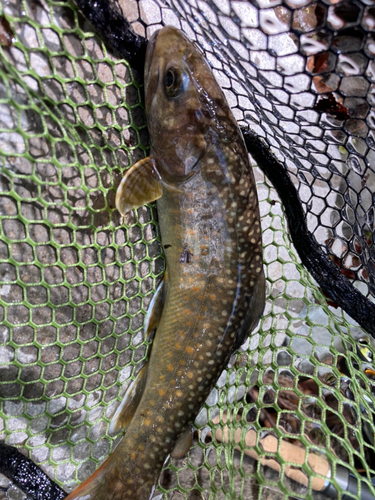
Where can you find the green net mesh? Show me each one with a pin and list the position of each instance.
(76, 280)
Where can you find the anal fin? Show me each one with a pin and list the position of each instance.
(183, 443)
(128, 405)
(140, 185)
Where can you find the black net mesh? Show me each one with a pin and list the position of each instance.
(76, 280)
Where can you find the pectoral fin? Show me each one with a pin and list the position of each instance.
(155, 309)
(183, 443)
(128, 405)
(141, 184)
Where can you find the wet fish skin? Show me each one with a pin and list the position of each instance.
(210, 227)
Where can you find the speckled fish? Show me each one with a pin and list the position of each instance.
(213, 292)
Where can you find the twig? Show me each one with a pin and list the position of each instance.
(288, 452)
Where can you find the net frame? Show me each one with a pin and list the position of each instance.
(264, 348)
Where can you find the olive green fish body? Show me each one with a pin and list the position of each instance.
(214, 286)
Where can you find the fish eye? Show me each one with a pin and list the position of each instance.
(174, 82)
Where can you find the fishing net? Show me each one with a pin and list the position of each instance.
(297, 401)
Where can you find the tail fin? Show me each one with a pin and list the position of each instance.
(96, 487)
(114, 481)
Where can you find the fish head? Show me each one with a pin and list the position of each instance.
(183, 103)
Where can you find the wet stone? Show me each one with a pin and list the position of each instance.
(27, 354)
(14, 493)
(4, 481)
(14, 229)
(33, 391)
(18, 314)
(10, 390)
(59, 295)
(36, 295)
(41, 316)
(72, 369)
(93, 382)
(91, 366)
(53, 275)
(30, 274)
(22, 252)
(81, 451)
(79, 294)
(8, 374)
(83, 313)
(7, 272)
(50, 354)
(104, 330)
(4, 334)
(63, 314)
(78, 417)
(58, 422)
(86, 469)
(52, 372)
(87, 331)
(30, 373)
(74, 386)
(46, 335)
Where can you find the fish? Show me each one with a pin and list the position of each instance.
(213, 291)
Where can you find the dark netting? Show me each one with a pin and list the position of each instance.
(295, 405)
